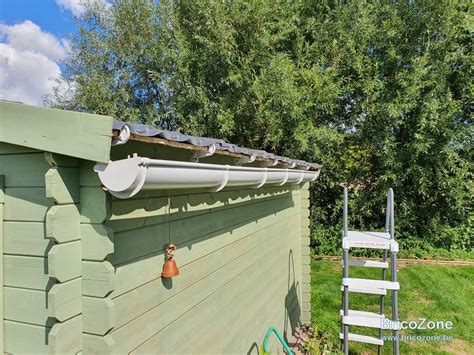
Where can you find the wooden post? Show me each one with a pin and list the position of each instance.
(2, 202)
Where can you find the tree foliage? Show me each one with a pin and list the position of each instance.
(380, 93)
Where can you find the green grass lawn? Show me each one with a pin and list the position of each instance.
(439, 293)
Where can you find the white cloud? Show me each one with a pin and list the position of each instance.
(28, 36)
(77, 6)
(28, 67)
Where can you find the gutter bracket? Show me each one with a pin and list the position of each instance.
(241, 161)
(290, 165)
(303, 167)
(285, 180)
(316, 175)
(300, 179)
(271, 163)
(203, 153)
(263, 181)
(123, 136)
(224, 181)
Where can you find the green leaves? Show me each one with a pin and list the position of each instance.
(380, 94)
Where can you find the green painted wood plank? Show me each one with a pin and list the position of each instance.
(28, 306)
(137, 331)
(26, 272)
(98, 315)
(256, 320)
(60, 160)
(6, 148)
(63, 223)
(233, 191)
(26, 204)
(95, 205)
(132, 275)
(2, 189)
(98, 278)
(305, 287)
(186, 299)
(306, 269)
(284, 236)
(305, 250)
(23, 169)
(305, 223)
(305, 240)
(228, 314)
(305, 203)
(139, 300)
(306, 296)
(163, 341)
(130, 245)
(306, 259)
(246, 330)
(2, 248)
(62, 185)
(66, 337)
(24, 338)
(157, 344)
(131, 214)
(87, 175)
(65, 300)
(75, 134)
(26, 238)
(65, 261)
(97, 241)
(97, 345)
(137, 295)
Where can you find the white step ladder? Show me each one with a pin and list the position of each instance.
(371, 240)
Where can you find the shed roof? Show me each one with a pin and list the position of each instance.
(150, 134)
(89, 136)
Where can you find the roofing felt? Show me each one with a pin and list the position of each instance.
(150, 131)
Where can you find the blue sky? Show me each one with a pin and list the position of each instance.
(34, 40)
(47, 14)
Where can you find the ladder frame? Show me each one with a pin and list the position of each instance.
(389, 228)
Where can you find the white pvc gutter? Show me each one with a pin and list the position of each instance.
(125, 178)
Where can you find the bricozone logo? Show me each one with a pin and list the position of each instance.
(420, 324)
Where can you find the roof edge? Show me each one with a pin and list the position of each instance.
(76, 134)
(149, 134)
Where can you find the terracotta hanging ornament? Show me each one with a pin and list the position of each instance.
(169, 268)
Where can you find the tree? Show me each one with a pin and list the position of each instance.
(379, 93)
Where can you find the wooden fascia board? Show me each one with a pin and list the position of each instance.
(76, 134)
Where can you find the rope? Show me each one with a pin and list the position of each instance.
(169, 248)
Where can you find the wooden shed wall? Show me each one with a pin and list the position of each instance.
(243, 268)
(41, 252)
(78, 262)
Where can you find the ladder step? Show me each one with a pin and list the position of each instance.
(367, 263)
(363, 339)
(361, 313)
(367, 283)
(373, 320)
(370, 291)
(369, 240)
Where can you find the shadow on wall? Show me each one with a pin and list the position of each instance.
(216, 235)
(143, 225)
(292, 307)
(292, 302)
(254, 349)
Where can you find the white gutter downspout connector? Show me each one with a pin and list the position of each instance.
(125, 178)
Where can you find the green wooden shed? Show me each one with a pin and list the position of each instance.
(87, 204)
